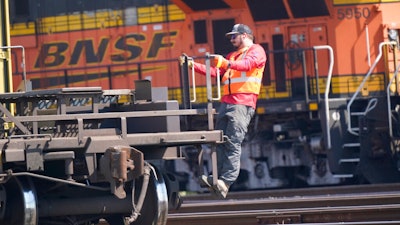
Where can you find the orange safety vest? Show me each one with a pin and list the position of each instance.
(242, 81)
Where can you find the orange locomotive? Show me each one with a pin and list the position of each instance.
(327, 112)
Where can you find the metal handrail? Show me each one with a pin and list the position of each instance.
(389, 106)
(349, 128)
(218, 83)
(23, 61)
(209, 92)
(218, 86)
(327, 89)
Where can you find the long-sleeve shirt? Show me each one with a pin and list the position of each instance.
(255, 57)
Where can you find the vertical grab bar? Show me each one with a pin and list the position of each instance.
(209, 93)
(218, 81)
(388, 100)
(211, 118)
(327, 89)
(218, 86)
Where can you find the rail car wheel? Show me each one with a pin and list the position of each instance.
(155, 205)
(18, 202)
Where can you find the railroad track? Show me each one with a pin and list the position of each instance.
(341, 205)
(365, 204)
(382, 214)
(296, 192)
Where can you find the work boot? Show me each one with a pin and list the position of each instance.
(221, 189)
(205, 181)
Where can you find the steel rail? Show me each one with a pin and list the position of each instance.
(309, 191)
(331, 215)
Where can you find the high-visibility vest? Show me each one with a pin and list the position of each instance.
(242, 81)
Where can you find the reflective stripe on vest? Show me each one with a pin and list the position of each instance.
(251, 84)
(243, 79)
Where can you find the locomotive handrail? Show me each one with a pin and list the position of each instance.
(388, 100)
(327, 89)
(349, 128)
(23, 61)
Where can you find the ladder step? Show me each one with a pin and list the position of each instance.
(351, 160)
(357, 113)
(343, 175)
(350, 145)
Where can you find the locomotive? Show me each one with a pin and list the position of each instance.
(328, 109)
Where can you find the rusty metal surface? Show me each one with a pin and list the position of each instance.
(84, 150)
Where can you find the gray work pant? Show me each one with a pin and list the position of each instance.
(233, 120)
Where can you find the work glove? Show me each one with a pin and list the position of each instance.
(221, 62)
(182, 60)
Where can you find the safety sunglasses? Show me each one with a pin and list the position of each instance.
(233, 36)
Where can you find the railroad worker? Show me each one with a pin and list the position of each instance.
(242, 72)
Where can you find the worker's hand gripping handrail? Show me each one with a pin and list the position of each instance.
(190, 61)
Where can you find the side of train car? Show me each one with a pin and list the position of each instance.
(325, 113)
(86, 155)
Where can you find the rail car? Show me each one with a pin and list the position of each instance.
(64, 163)
(86, 155)
(328, 109)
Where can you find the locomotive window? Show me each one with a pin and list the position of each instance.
(197, 5)
(200, 32)
(219, 28)
(267, 70)
(279, 63)
(262, 10)
(308, 8)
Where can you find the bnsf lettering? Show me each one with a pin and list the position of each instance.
(157, 44)
(123, 44)
(125, 48)
(51, 55)
(91, 56)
